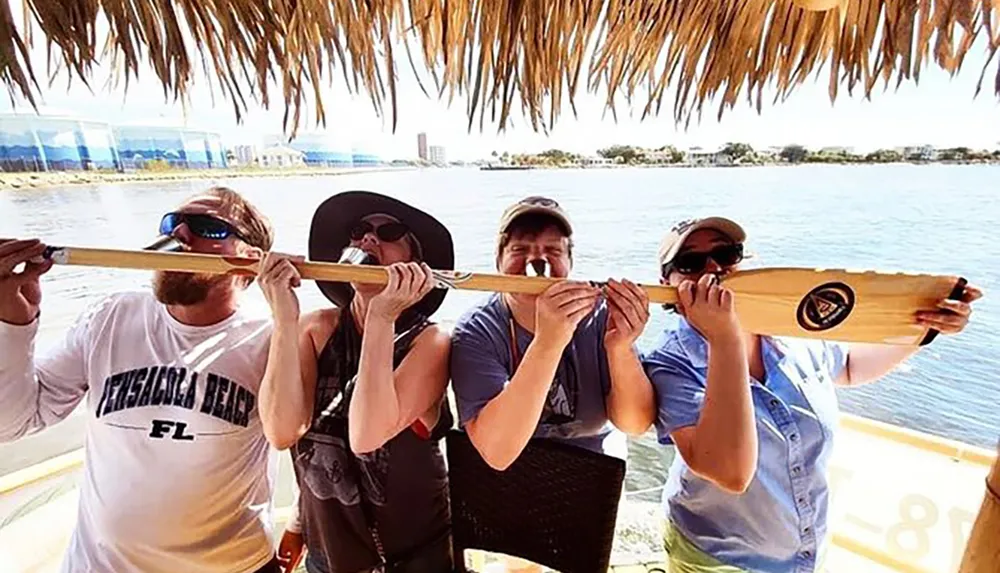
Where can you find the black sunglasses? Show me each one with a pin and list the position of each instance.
(539, 201)
(690, 263)
(389, 232)
(204, 226)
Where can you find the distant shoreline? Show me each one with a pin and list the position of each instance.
(47, 179)
(681, 165)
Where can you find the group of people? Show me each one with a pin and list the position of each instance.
(189, 395)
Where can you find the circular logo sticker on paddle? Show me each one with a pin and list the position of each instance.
(825, 307)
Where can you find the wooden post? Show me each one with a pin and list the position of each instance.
(982, 552)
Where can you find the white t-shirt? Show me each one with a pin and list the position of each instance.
(178, 475)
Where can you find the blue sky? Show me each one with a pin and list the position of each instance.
(940, 111)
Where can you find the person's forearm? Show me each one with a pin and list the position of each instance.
(33, 395)
(19, 389)
(505, 425)
(374, 409)
(869, 362)
(284, 412)
(725, 445)
(631, 402)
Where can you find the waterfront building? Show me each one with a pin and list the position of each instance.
(140, 144)
(319, 148)
(32, 142)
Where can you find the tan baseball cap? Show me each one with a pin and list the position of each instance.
(535, 204)
(679, 233)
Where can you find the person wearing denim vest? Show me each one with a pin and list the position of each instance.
(753, 417)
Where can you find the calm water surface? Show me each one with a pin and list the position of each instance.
(938, 219)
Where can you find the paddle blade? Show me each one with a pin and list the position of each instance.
(841, 305)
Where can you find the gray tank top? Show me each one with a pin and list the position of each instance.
(369, 511)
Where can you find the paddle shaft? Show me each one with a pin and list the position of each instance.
(829, 304)
(320, 271)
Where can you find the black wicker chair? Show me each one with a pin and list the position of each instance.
(556, 505)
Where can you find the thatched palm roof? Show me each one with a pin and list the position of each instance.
(495, 52)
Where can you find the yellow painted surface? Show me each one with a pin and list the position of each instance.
(46, 470)
(910, 504)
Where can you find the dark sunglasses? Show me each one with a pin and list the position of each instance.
(389, 232)
(539, 201)
(204, 226)
(692, 262)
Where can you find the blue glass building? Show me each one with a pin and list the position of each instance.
(178, 147)
(30, 142)
(321, 149)
(33, 142)
(363, 157)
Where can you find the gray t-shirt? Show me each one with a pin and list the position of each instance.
(481, 365)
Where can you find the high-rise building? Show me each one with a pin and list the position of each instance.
(422, 146)
(437, 155)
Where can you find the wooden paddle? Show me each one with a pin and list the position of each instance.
(830, 304)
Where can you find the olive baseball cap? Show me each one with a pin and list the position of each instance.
(535, 204)
(679, 233)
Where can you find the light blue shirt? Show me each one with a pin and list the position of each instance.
(779, 524)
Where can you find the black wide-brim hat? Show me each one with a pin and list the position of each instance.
(330, 235)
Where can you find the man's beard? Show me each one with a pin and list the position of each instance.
(184, 289)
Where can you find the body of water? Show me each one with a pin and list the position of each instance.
(934, 218)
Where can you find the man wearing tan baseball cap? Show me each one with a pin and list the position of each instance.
(534, 211)
(561, 364)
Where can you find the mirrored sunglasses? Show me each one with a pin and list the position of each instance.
(201, 225)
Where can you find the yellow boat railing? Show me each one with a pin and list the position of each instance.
(50, 468)
(955, 450)
(904, 499)
(902, 529)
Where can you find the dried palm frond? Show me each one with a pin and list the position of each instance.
(498, 51)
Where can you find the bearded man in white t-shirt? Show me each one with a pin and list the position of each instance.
(178, 475)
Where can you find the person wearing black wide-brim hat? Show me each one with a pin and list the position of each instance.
(357, 391)
(337, 218)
